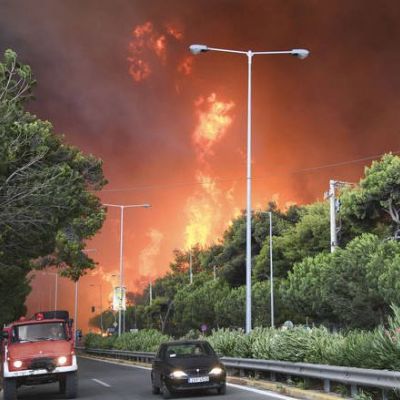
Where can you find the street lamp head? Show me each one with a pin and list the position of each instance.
(300, 53)
(198, 48)
(146, 205)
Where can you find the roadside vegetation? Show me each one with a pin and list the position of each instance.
(376, 349)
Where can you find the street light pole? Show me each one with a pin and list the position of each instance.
(76, 305)
(299, 53)
(271, 270)
(121, 251)
(190, 267)
(55, 289)
(56, 292)
(150, 293)
(76, 295)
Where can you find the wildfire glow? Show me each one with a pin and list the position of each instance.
(139, 69)
(147, 41)
(204, 208)
(148, 254)
(213, 120)
(159, 47)
(204, 212)
(174, 31)
(186, 66)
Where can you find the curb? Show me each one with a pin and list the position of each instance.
(284, 389)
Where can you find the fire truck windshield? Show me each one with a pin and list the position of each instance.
(39, 331)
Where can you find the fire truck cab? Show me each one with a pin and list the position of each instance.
(40, 350)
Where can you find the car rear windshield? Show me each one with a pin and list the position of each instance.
(188, 350)
(40, 331)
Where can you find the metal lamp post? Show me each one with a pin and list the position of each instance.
(271, 270)
(55, 288)
(121, 250)
(299, 53)
(76, 295)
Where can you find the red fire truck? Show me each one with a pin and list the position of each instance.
(40, 350)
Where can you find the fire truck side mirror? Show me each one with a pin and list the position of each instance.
(70, 322)
(4, 335)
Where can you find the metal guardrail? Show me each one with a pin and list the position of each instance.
(124, 354)
(382, 379)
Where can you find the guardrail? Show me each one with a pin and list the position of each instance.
(382, 379)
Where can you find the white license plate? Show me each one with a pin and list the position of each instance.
(199, 379)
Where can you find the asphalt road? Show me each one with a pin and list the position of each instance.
(110, 381)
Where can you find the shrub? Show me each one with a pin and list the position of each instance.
(95, 341)
(233, 343)
(143, 340)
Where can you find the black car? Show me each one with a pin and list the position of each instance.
(187, 365)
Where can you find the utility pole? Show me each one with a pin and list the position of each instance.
(215, 272)
(334, 208)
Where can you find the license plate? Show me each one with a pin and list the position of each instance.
(199, 379)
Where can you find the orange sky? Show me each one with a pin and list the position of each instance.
(117, 80)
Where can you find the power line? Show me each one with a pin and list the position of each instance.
(274, 173)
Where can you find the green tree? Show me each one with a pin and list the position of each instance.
(352, 287)
(374, 206)
(195, 304)
(282, 223)
(47, 203)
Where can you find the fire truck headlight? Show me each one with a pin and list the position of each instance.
(17, 364)
(62, 360)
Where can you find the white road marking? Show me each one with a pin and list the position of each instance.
(259, 391)
(101, 382)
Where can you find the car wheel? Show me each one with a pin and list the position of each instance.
(222, 389)
(71, 385)
(155, 389)
(166, 393)
(10, 389)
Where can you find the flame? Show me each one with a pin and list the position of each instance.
(147, 41)
(159, 47)
(186, 65)
(142, 30)
(204, 212)
(174, 31)
(139, 69)
(213, 120)
(148, 254)
(204, 208)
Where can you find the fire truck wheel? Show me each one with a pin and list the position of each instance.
(10, 389)
(61, 384)
(71, 385)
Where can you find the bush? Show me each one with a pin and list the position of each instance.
(95, 341)
(232, 343)
(143, 340)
